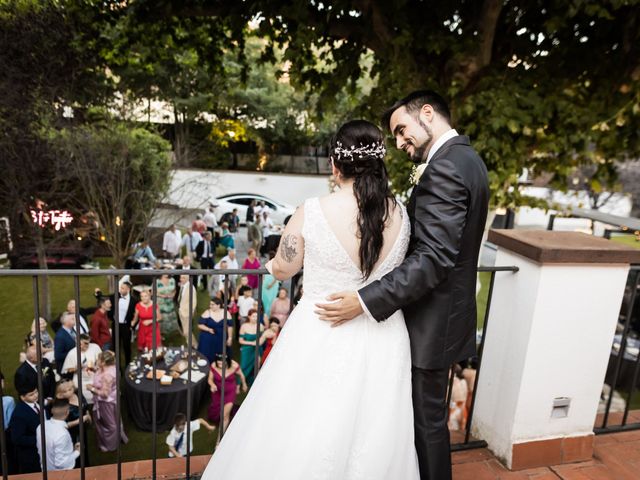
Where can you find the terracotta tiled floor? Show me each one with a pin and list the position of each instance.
(616, 457)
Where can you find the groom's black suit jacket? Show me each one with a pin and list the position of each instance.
(435, 286)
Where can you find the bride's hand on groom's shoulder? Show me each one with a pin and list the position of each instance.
(345, 307)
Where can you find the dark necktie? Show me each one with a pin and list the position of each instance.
(36, 408)
(179, 442)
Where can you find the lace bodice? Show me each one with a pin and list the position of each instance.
(327, 265)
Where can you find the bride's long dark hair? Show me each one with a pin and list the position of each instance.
(357, 151)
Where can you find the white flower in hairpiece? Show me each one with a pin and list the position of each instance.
(375, 149)
(417, 172)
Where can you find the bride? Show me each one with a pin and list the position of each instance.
(333, 403)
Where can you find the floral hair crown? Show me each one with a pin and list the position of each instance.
(375, 149)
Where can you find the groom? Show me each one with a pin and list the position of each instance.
(435, 285)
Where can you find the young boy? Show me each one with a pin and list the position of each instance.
(177, 438)
(24, 421)
(245, 303)
(61, 452)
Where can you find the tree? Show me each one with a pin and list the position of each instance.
(43, 71)
(122, 173)
(547, 85)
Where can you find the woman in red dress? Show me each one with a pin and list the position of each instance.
(271, 334)
(144, 316)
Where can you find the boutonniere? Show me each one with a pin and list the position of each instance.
(45, 370)
(417, 172)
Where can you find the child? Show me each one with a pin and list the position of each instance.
(61, 452)
(24, 422)
(177, 438)
(245, 303)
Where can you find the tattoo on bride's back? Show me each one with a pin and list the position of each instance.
(288, 248)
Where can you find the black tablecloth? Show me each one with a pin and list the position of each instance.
(171, 399)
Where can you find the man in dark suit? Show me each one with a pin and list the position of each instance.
(65, 339)
(125, 305)
(26, 377)
(206, 255)
(435, 285)
(22, 428)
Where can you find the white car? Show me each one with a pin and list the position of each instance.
(279, 212)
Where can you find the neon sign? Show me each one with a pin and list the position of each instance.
(58, 218)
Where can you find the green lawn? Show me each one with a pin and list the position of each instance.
(627, 239)
(17, 313)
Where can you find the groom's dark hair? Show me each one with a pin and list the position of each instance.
(414, 102)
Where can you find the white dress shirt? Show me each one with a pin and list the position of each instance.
(171, 242)
(123, 308)
(445, 137)
(60, 452)
(174, 436)
(209, 220)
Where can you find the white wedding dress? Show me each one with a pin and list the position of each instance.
(329, 403)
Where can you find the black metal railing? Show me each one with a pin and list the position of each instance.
(624, 364)
(193, 274)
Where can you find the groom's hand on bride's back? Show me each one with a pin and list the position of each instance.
(345, 307)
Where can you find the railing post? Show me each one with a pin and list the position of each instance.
(3, 438)
(43, 442)
(115, 338)
(154, 399)
(76, 290)
(189, 359)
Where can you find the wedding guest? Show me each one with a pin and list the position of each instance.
(198, 225)
(46, 342)
(126, 306)
(83, 313)
(242, 286)
(270, 288)
(267, 225)
(190, 242)
(458, 408)
(24, 422)
(89, 354)
(166, 290)
(226, 239)
(177, 441)
(205, 254)
(100, 332)
(252, 263)
(250, 218)
(65, 390)
(232, 220)
(232, 264)
(26, 376)
(270, 335)
(255, 230)
(184, 303)
(171, 242)
(61, 452)
(8, 405)
(217, 281)
(144, 251)
(211, 324)
(143, 318)
(232, 371)
(104, 406)
(185, 264)
(250, 334)
(281, 306)
(209, 219)
(245, 304)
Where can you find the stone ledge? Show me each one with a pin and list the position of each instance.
(544, 246)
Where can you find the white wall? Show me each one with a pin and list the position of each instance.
(192, 188)
(549, 335)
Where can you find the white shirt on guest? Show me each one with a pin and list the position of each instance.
(123, 308)
(60, 452)
(174, 435)
(171, 242)
(244, 305)
(209, 220)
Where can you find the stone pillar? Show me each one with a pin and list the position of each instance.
(549, 336)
